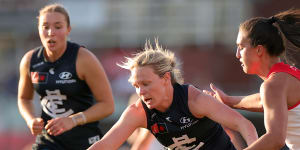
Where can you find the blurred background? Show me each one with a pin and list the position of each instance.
(202, 34)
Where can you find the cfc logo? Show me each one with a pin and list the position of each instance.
(65, 75)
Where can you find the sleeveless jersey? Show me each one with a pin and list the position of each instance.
(293, 126)
(62, 94)
(178, 129)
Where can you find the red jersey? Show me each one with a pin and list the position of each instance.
(293, 124)
(282, 67)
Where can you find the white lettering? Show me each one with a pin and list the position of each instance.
(188, 125)
(38, 64)
(65, 81)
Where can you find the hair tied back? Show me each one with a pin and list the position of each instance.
(272, 20)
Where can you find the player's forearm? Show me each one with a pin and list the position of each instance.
(26, 109)
(143, 141)
(236, 138)
(99, 145)
(110, 141)
(99, 111)
(250, 103)
(248, 131)
(267, 141)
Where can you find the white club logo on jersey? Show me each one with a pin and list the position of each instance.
(180, 142)
(65, 75)
(51, 103)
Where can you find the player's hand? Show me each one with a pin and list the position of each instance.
(217, 93)
(60, 125)
(36, 126)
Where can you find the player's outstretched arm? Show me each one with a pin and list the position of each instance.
(132, 118)
(250, 102)
(202, 104)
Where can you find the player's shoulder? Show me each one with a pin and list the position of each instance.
(85, 56)
(29, 53)
(276, 83)
(136, 112)
(85, 53)
(193, 93)
(27, 56)
(276, 80)
(136, 107)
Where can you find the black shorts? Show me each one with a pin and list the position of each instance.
(75, 139)
(285, 148)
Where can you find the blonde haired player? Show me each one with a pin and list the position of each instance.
(180, 116)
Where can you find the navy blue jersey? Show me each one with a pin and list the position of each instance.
(178, 129)
(62, 94)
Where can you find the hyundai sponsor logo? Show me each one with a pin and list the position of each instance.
(65, 75)
(185, 120)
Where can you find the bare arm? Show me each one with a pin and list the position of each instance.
(132, 118)
(273, 94)
(236, 138)
(202, 104)
(91, 71)
(250, 102)
(25, 97)
(143, 140)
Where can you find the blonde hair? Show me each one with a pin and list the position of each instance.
(55, 8)
(161, 60)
